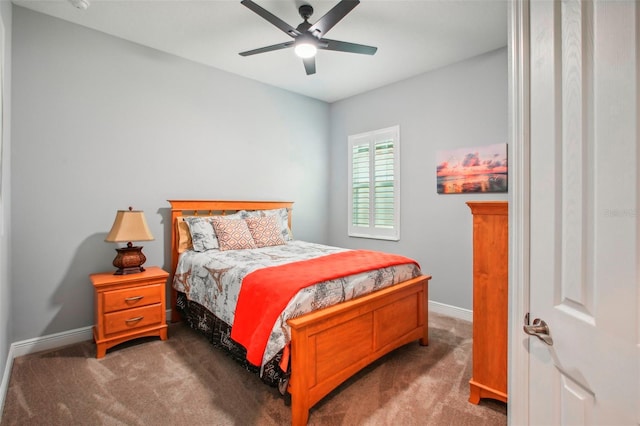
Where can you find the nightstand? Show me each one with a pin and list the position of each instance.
(128, 307)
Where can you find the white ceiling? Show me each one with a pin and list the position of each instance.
(412, 36)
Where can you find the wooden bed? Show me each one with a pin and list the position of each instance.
(330, 345)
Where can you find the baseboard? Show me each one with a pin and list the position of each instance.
(51, 341)
(451, 311)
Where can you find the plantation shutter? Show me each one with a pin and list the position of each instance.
(384, 184)
(360, 185)
(374, 184)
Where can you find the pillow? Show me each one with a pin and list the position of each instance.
(203, 227)
(265, 231)
(250, 213)
(203, 237)
(233, 234)
(282, 216)
(183, 235)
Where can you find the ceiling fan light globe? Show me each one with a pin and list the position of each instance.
(305, 50)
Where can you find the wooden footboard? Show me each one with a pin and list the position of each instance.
(331, 345)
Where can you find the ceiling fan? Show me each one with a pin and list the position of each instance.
(307, 38)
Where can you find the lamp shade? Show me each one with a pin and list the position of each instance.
(129, 225)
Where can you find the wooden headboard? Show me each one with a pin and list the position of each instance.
(209, 208)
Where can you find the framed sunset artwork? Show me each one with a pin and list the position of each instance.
(475, 169)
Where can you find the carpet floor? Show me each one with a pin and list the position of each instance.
(186, 381)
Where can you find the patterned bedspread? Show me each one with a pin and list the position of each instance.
(213, 279)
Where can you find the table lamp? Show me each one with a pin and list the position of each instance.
(129, 225)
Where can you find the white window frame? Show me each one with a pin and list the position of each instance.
(371, 139)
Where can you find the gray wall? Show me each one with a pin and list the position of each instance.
(100, 124)
(461, 105)
(6, 318)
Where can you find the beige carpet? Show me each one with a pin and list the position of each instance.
(185, 381)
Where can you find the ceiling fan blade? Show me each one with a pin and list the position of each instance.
(310, 65)
(343, 46)
(271, 18)
(332, 17)
(267, 48)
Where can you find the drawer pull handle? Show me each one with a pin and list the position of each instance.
(133, 299)
(136, 319)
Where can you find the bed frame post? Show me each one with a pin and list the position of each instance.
(424, 313)
(299, 396)
(175, 315)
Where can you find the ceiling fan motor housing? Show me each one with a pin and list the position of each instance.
(305, 11)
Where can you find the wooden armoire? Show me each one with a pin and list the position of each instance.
(490, 300)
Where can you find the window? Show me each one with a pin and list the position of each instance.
(374, 185)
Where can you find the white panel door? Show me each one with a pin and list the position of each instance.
(584, 222)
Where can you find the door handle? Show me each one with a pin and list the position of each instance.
(539, 328)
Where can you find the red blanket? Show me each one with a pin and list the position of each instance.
(266, 292)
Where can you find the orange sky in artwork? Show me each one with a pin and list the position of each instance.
(472, 161)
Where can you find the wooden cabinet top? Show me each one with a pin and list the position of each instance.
(489, 207)
(108, 278)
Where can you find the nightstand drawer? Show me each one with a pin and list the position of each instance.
(132, 297)
(130, 319)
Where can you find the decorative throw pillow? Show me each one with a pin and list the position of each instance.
(282, 216)
(265, 231)
(203, 237)
(233, 234)
(198, 234)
